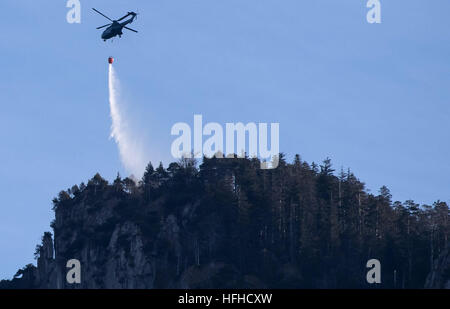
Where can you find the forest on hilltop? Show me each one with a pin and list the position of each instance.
(297, 226)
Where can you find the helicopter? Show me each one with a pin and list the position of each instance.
(115, 28)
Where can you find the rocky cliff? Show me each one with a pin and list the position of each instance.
(123, 241)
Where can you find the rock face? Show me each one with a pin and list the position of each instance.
(439, 277)
(121, 243)
(114, 253)
(46, 275)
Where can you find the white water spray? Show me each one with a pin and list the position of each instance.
(131, 149)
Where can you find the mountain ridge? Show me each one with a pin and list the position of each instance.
(229, 224)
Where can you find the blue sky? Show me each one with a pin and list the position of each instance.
(374, 98)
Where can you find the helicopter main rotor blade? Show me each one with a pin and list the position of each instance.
(102, 14)
(104, 26)
(122, 18)
(130, 29)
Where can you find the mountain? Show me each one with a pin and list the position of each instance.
(230, 224)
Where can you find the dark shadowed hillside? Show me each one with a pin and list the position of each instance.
(229, 224)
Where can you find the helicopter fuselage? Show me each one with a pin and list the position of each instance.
(114, 30)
